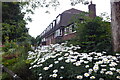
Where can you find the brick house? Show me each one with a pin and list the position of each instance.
(62, 28)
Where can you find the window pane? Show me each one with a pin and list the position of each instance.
(58, 19)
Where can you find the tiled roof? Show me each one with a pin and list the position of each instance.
(73, 11)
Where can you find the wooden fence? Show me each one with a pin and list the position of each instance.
(15, 77)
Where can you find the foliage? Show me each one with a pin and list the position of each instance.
(16, 60)
(61, 62)
(38, 40)
(93, 35)
(9, 47)
(13, 26)
(16, 41)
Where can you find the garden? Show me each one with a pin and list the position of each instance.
(88, 56)
(63, 62)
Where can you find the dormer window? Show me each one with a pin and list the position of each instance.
(53, 23)
(58, 19)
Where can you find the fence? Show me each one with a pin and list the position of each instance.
(15, 77)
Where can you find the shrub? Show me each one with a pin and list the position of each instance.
(93, 35)
(9, 47)
(16, 62)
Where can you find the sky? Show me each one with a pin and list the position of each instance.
(41, 20)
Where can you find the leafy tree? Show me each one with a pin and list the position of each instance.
(38, 40)
(13, 26)
(94, 35)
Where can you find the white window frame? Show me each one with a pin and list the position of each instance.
(58, 19)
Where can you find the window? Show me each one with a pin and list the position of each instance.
(51, 26)
(58, 19)
(66, 30)
(72, 28)
(53, 23)
(58, 32)
(43, 39)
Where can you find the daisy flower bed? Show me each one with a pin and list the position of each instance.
(61, 62)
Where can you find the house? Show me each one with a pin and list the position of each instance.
(62, 28)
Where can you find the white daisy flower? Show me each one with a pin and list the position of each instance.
(118, 77)
(62, 67)
(51, 65)
(79, 77)
(55, 71)
(92, 77)
(54, 75)
(46, 68)
(118, 70)
(61, 77)
(112, 69)
(86, 74)
(56, 62)
(87, 66)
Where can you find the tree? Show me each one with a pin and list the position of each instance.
(13, 25)
(94, 35)
(38, 40)
(115, 10)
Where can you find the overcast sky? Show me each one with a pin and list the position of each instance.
(41, 19)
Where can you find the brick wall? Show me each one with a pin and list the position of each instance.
(69, 36)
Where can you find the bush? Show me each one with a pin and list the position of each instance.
(9, 47)
(93, 35)
(65, 63)
(16, 61)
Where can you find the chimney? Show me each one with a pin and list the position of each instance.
(92, 10)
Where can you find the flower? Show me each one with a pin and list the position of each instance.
(89, 58)
(73, 60)
(40, 74)
(56, 62)
(118, 70)
(87, 66)
(54, 75)
(46, 68)
(40, 78)
(30, 67)
(79, 77)
(103, 69)
(95, 68)
(85, 62)
(55, 71)
(99, 54)
(101, 79)
(113, 64)
(59, 59)
(77, 63)
(86, 74)
(67, 61)
(93, 62)
(90, 70)
(118, 77)
(92, 77)
(109, 72)
(112, 69)
(61, 77)
(66, 54)
(51, 65)
(103, 65)
(101, 72)
(62, 67)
